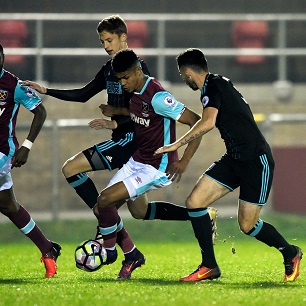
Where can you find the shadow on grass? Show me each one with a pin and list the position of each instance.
(161, 282)
(164, 282)
(19, 281)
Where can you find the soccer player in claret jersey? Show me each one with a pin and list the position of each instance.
(113, 34)
(12, 95)
(153, 111)
(248, 164)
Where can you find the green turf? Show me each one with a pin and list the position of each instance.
(252, 275)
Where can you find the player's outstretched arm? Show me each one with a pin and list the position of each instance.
(176, 169)
(82, 94)
(21, 155)
(204, 125)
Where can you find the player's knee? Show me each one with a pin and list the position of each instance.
(137, 214)
(245, 227)
(66, 168)
(95, 211)
(103, 200)
(9, 209)
(70, 168)
(190, 203)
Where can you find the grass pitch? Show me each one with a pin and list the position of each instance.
(252, 273)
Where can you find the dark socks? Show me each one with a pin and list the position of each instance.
(123, 239)
(108, 220)
(132, 255)
(84, 187)
(166, 211)
(28, 227)
(202, 228)
(267, 233)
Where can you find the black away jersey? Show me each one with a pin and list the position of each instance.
(235, 121)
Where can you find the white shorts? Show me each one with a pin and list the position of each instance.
(139, 178)
(6, 181)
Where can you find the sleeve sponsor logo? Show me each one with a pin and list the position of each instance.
(30, 92)
(205, 100)
(169, 101)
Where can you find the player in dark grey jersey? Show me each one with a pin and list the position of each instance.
(248, 164)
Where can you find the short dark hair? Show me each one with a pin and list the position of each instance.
(124, 60)
(193, 58)
(113, 24)
(1, 48)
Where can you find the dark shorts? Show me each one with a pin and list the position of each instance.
(111, 154)
(254, 177)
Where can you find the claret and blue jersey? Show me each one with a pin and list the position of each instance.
(154, 112)
(12, 95)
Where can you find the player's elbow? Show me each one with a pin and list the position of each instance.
(40, 112)
(210, 126)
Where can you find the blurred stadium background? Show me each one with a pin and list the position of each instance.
(260, 46)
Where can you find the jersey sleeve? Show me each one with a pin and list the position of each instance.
(212, 97)
(166, 105)
(100, 78)
(26, 96)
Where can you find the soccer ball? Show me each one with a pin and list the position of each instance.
(90, 255)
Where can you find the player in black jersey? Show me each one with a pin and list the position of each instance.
(115, 152)
(248, 164)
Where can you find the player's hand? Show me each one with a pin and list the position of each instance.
(176, 169)
(102, 123)
(165, 149)
(39, 88)
(107, 110)
(20, 157)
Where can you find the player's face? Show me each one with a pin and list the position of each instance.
(112, 43)
(130, 80)
(188, 79)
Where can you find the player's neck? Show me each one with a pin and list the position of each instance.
(141, 83)
(199, 79)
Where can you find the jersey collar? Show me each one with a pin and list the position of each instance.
(145, 85)
(205, 84)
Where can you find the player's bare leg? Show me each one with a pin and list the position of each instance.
(76, 164)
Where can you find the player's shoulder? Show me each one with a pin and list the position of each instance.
(104, 71)
(218, 78)
(218, 81)
(9, 77)
(155, 84)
